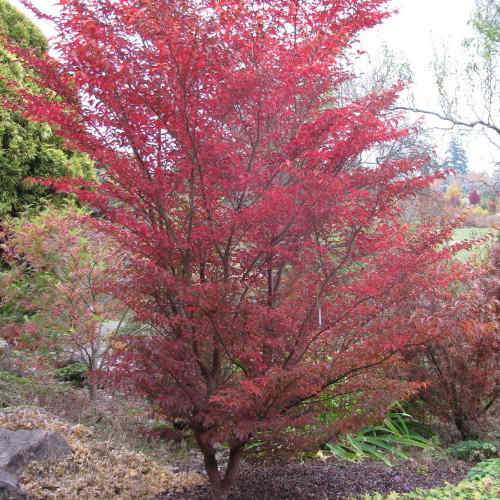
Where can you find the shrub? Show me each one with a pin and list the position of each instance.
(74, 373)
(473, 451)
(460, 364)
(479, 211)
(474, 198)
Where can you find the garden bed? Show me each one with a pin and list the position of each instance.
(332, 479)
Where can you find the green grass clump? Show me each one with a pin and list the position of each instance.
(382, 442)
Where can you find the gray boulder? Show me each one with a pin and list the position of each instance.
(18, 448)
(9, 487)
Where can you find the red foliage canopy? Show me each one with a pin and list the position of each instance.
(268, 259)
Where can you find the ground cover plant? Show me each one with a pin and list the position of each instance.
(484, 489)
(267, 260)
(486, 468)
(481, 482)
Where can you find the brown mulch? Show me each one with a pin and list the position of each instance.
(331, 480)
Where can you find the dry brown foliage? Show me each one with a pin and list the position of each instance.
(96, 469)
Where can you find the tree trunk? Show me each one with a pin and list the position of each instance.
(91, 386)
(465, 427)
(221, 486)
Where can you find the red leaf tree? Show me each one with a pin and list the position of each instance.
(474, 198)
(269, 259)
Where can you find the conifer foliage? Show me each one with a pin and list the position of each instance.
(28, 149)
(456, 158)
(269, 262)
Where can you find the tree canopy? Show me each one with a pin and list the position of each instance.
(19, 28)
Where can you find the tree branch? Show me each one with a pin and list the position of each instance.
(454, 121)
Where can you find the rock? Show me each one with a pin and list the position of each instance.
(9, 487)
(17, 448)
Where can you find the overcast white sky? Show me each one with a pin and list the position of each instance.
(421, 29)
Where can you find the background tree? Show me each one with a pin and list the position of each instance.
(269, 262)
(28, 149)
(55, 299)
(456, 158)
(454, 195)
(468, 94)
(486, 21)
(383, 70)
(496, 178)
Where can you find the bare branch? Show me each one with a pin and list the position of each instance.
(454, 121)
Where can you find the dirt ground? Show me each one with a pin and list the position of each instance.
(332, 480)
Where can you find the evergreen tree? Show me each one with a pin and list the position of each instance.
(456, 158)
(496, 177)
(28, 149)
